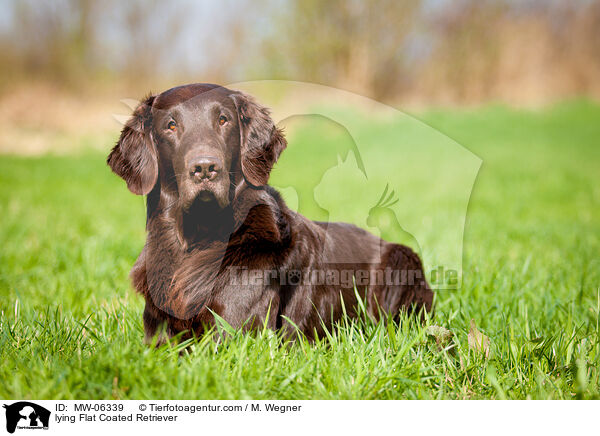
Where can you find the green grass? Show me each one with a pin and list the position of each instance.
(70, 326)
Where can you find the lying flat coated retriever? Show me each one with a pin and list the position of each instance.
(220, 240)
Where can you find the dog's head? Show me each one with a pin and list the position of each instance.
(199, 142)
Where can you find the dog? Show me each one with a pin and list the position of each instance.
(222, 243)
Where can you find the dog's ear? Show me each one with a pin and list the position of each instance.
(134, 158)
(261, 142)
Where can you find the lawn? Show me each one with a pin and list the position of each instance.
(70, 324)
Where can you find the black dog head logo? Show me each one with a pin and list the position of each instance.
(26, 415)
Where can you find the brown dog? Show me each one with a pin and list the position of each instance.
(221, 241)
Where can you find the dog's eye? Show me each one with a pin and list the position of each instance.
(222, 120)
(172, 125)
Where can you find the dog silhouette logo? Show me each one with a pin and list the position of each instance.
(26, 415)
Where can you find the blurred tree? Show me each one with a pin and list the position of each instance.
(426, 50)
(67, 40)
(354, 45)
(530, 51)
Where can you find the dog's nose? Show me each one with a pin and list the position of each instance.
(205, 168)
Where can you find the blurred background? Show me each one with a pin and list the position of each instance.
(412, 53)
(486, 133)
